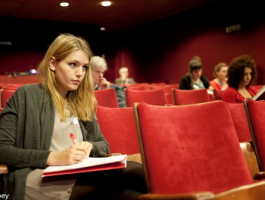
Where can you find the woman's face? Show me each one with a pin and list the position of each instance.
(70, 71)
(196, 73)
(222, 73)
(246, 77)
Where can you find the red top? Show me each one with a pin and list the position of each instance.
(216, 85)
(231, 95)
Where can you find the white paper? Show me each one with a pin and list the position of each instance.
(87, 163)
(259, 93)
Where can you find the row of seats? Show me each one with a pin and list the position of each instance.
(191, 149)
(107, 98)
(186, 153)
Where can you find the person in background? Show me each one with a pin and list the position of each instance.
(220, 73)
(194, 80)
(35, 128)
(123, 79)
(98, 67)
(241, 74)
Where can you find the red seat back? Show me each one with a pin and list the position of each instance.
(167, 89)
(5, 95)
(158, 84)
(107, 98)
(240, 120)
(174, 85)
(137, 87)
(154, 97)
(218, 94)
(189, 149)
(118, 127)
(256, 114)
(183, 97)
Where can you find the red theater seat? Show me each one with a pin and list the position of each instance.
(256, 114)
(191, 152)
(184, 97)
(240, 120)
(154, 97)
(137, 87)
(118, 127)
(107, 98)
(218, 94)
(167, 90)
(5, 95)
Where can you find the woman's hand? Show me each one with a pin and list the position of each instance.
(71, 155)
(210, 88)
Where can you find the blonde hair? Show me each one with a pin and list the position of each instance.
(98, 61)
(217, 68)
(82, 101)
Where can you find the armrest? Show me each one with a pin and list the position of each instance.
(251, 191)
(250, 158)
(112, 154)
(259, 176)
(3, 169)
(188, 196)
(135, 157)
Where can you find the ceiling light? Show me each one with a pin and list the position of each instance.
(102, 29)
(64, 4)
(105, 3)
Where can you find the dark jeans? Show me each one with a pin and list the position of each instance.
(127, 184)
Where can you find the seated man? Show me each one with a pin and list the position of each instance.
(98, 67)
(123, 79)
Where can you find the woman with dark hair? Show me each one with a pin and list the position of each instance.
(194, 80)
(241, 74)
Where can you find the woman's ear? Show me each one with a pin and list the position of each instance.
(52, 64)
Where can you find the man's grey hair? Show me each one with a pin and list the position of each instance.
(98, 61)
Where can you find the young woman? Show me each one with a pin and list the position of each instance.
(194, 80)
(241, 74)
(220, 73)
(36, 123)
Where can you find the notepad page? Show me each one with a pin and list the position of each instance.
(87, 163)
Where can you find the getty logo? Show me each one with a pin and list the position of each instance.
(4, 196)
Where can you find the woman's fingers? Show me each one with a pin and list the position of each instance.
(83, 149)
(89, 149)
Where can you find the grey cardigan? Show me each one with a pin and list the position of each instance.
(26, 127)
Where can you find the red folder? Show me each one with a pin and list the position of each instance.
(109, 163)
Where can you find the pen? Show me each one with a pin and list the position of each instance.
(73, 138)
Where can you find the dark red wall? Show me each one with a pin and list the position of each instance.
(155, 52)
(161, 50)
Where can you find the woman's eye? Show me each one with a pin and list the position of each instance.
(72, 64)
(85, 67)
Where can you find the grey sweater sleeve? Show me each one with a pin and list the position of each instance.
(95, 137)
(12, 138)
